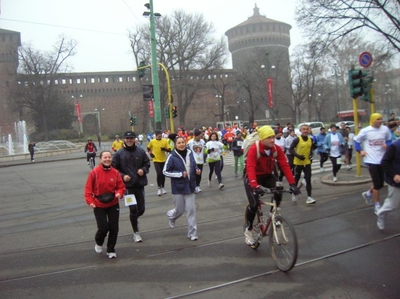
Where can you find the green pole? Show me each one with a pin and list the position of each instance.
(154, 71)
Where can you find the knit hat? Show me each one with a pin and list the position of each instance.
(197, 132)
(265, 132)
(374, 117)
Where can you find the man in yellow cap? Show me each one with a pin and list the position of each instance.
(302, 149)
(371, 143)
(260, 166)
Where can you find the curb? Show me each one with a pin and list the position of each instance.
(359, 180)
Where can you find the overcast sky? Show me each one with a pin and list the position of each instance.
(100, 27)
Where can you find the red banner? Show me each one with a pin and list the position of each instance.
(151, 108)
(269, 87)
(78, 112)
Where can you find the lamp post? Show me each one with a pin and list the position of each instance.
(154, 66)
(337, 90)
(221, 107)
(388, 99)
(269, 86)
(98, 110)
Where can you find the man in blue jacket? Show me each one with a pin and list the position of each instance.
(323, 153)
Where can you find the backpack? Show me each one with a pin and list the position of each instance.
(249, 141)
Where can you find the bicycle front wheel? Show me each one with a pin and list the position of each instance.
(283, 242)
(91, 163)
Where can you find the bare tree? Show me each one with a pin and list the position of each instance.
(39, 85)
(187, 48)
(334, 19)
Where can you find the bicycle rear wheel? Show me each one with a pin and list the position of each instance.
(256, 227)
(283, 242)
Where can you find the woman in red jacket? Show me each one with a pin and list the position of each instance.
(103, 190)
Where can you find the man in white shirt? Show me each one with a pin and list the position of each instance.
(371, 143)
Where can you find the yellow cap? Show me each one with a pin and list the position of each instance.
(374, 117)
(265, 132)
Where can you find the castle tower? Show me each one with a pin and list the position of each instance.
(263, 41)
(9, 43)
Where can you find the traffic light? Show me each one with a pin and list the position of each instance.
(141, 71)
(359, 84)
(131, 121)
(135, 120)
(167, 112)
(174, 112)
(366, 96)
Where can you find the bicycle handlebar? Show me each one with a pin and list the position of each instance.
(275, 191)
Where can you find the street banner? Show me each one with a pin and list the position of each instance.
(78, 112)
(270, 99)
(151, 108)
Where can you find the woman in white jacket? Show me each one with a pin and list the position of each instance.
(214, 150)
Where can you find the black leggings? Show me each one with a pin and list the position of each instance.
(198, 176)
(335, 165)
(217, 166)
(135, 211)
(307, 175)
(107, 222)
(159, 166)
(323, 159)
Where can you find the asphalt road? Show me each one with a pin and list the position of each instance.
(47, 244)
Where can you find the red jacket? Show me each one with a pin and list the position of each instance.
(102, 181)
(229, 136)
(257, 168)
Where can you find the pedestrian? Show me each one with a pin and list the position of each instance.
(198, 147)
(103, 190)
(375, 138)
(279, 141)
(302, 148)
(117, 144)
(158, 149)
(214, 150)
(345, 149)
(229, 136)
(90, 150)
(99, 140)
(321, 150)
(288, 142)
(333, 143)
(182, 169)
(140, 137)
(391, 168)
(133, 164)
(31, 149)
(237, 147)
(350, 144)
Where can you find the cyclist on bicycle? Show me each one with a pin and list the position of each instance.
(90, 150)
(260, 171)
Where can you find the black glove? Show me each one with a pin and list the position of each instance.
(294, 190)
(301, 157)
(163, 149)
(258, 191)
(210, 150)
(152, 155)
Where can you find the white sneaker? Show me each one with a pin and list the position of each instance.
(163, 190)
(368, 198)
(137, 238)
(198, 189)
(335, 179)
(380, 223)
(349, 167)
(303, 182)
(248, 237)
(322, 169)
(376, 210)
(171, 223)
(193, 238)
(310, 200)
(209, 183)
(294, 198)
(111, 255)
(87, 163)
(221, 186)
(98, 248)
(159, 192)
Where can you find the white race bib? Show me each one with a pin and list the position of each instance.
(130, 200)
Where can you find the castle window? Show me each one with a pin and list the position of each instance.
(106, 80)
(92, 80)
(78, 81)
(120, 79)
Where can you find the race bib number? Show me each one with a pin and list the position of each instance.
(130, 200)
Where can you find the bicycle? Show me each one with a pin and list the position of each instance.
(282, 236)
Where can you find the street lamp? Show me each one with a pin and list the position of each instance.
(98, 110)
(388, 99)
(154, 65)
(337, 90)
(220, 104)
